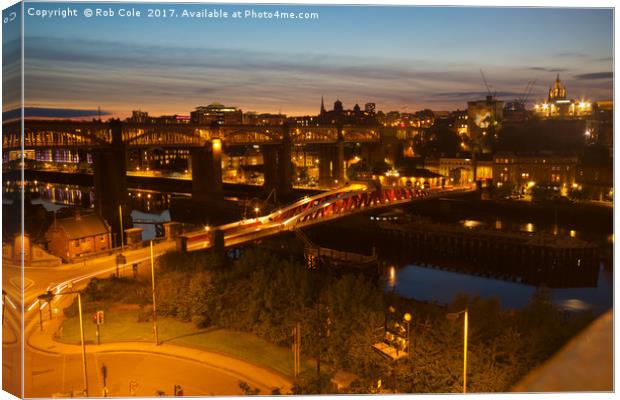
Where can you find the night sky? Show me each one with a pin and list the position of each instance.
(401, 58)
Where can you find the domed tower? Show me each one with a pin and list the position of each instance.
(338, 106)
(557, 91)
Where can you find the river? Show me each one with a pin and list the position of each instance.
(409, 278)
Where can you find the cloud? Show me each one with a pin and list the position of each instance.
(41, 112)
(571, 54)
(476, 95)
(93, 72)
(596, 75)
(548, 69)
(121, 76)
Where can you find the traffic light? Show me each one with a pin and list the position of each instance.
(47, 296)
(98, 317)
(178, 390)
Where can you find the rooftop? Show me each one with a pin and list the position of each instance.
(82, 226)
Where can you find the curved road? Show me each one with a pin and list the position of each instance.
(62, 374)
(56, 369)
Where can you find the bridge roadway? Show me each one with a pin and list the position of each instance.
(347, 200)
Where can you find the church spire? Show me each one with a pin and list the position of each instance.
(322, 106)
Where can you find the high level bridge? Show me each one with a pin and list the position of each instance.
(44, 134)
(350, 199)
(109, 143)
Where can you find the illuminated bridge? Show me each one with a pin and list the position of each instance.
(41, 134)
(108, 145)
(347, 200)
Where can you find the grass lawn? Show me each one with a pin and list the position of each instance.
(123, 326)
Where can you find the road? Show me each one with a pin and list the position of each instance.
(35, 282)
(52, 374)
(52, 369)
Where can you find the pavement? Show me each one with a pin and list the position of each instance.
(168, 357)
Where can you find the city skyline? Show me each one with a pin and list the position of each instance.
(401, 58)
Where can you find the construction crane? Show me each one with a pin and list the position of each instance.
(484, 79)
(527, 92)
(519, 102)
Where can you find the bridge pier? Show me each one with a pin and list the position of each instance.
(325, 166)
(278, 166)
(110, 181)
(331, 164)
(206, 166)
(371, 152)
(82, 158)
(218, 242)
(270, 167)
(339, 167)
(285, 164)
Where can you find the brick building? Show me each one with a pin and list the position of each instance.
(78, 236)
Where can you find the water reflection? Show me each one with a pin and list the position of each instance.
(529, 227)
(471, 223)
(150, 209)
(392, 276)
(441, 286)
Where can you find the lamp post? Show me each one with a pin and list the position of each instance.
(256, 210)
(407, 319)
(48, 296)
(83, 347)
(120, 216)
(453, 316)
(153, 292)
(120, 258)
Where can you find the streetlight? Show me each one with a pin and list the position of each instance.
(407, 319)
(120, 258)
(153, 292)
(454, 316)
(120, 216)
(48, 296)
(256, 210)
